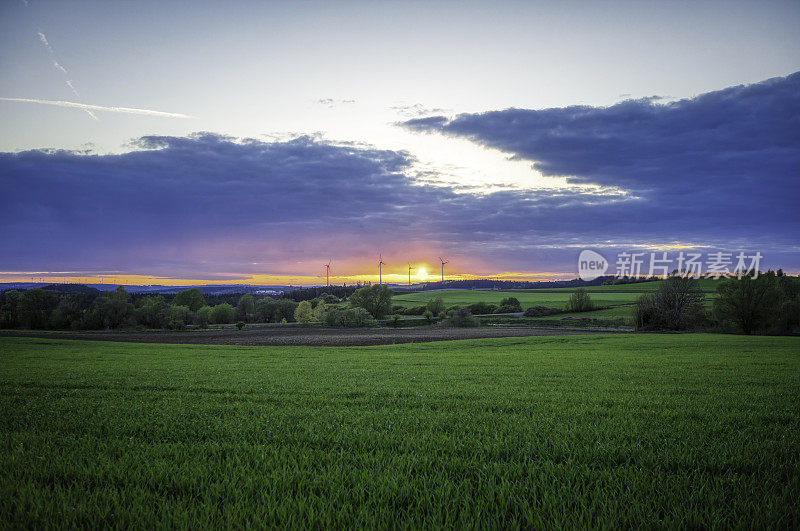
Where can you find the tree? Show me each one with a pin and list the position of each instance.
(9, 309)
(304, 313)
(747, 302)
(377, 300)
(152, 312)
(222, 313)
(274, 311)
(580, 301)
(677, 304)
(203, 316)
(34, 308)
(246, 309)
(191, 298)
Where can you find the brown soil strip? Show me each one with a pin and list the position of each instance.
(305, 336)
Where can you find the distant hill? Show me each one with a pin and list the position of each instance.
(71, 288)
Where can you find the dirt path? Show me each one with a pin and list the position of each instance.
(305, 336)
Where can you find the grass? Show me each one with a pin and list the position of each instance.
(571, 431)
(708, 285)
(465, 297)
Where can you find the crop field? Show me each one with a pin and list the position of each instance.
(704, 284)
(569, 431)
(526, 298)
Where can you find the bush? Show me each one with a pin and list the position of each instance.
(541, 311)
(505, 308)
(347, 318)
(510, 302)
(462, 318)
(435, 306)
(580, 301)
(240, 325)
(428, 316)
(482, 308)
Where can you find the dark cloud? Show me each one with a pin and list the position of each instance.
(718, 170)
(731, 157)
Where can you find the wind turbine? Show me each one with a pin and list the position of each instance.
(328, 273)
(380, 269)
(409, 274)
(443, 263)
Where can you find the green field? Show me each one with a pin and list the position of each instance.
(572, 431)
(704, 284)
(465, 297)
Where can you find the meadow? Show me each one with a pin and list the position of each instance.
(465, 297)
(573, 431)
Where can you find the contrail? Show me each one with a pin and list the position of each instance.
(58, 66)
(88, 108)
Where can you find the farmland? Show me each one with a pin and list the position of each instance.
(526, 298)
(606, 430)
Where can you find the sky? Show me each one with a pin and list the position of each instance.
(203, 142)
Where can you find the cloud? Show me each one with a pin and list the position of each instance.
(88, 108)
(416, 110)
(721, 157)
(332, 103)
(212, 204)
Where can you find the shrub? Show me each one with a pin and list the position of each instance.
(511, 302)
(541, 311)
(347, 318)
(428, 316)
(482, 308)
(435, 306)
(462, 318)
(580, 301)
(240, 325)
(505, 308)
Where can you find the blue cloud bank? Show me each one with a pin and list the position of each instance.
(720, 170)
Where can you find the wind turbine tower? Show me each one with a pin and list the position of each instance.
(380, 269)
(409, 274)
(328, 273)
(443, 263)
